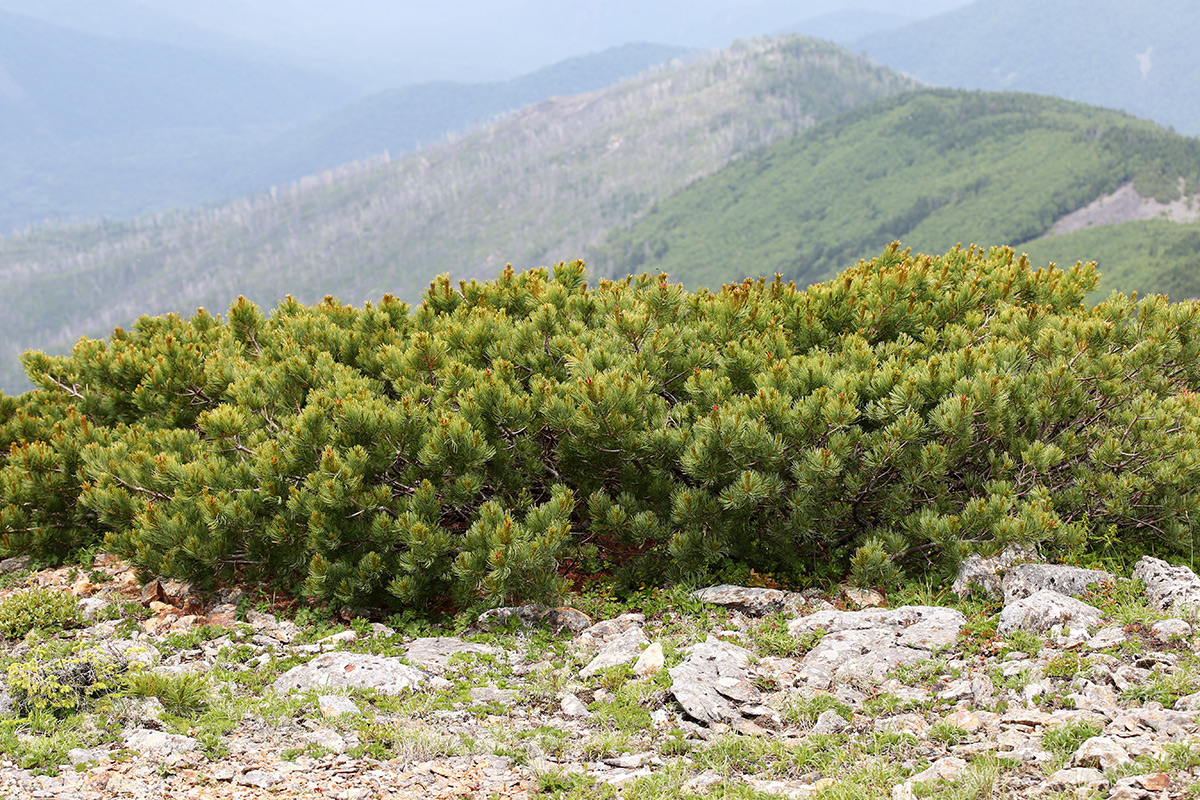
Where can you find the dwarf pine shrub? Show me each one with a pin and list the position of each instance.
(45, 609)
(890, 421)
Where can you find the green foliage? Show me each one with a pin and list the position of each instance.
(62, 684)
(1065, 740)
(46, 609)
(891, 421)
(183, 694)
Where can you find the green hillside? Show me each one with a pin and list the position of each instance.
(1147, 256)
(931, 169)
(543, 184)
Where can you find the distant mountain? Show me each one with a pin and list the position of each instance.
(931, 169)
(67, 85)
(96, 126)
(91, 125)
(1140, 57)
(401, 120)
(543, 184)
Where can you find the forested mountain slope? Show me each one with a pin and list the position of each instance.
(931, 169)
(541, 185)
(404, 119)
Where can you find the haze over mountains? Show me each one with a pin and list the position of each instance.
(702, 165)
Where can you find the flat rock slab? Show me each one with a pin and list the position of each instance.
(714, 682)
(624, 648)
(434, 653)
(600, 634)
(1024, 580)
(353, 670)
(755, 601)
(144, 740)
(874, 642)
(1042, 610)
(534, 616)
(1169, 588)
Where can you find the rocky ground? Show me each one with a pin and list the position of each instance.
(1041, 681)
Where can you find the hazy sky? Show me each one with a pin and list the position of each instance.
(389, 42)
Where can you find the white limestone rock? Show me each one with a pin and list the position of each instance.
(1043, 610)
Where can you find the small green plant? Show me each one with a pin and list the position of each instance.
(1066, 665)
(948, 734)
(770, 636)
(805, 710)
(1063, 742)
(62, 684)
(45, 609)
(184, 694)
(1023, 642)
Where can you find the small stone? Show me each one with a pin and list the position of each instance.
(152, 592)
(1169, 588)
(223, 615)
(650, 661)
(963, 718)
(332, 741)
(830, 722)
(1042, 610)
(353, 670)
(1153, 782)
(622, 649)
(978, 574)
(862, 598)
(1100, 752)
(572, 706)
(956, 690)
(260, 778)
(946, 769)
(1076, 777)
(436, 653)
(1110, 636)
(80, 755)
(1189, 702)
(15, 564)
(702, 782)
(222, 772)
(487, 694)
(334, 705)
(159, 742)
(341, 637)
(1024, 580)
(755, 601)
(90, 607)
(1167, 629)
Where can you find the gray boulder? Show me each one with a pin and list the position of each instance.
(874, 642)
(714, 682)
(1169, 588)
(533, 616)
(352, 670)
(433, 653)
(1024, 580)
(1043, 610)
(622, 649)
(755, 601)
(979, 574)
